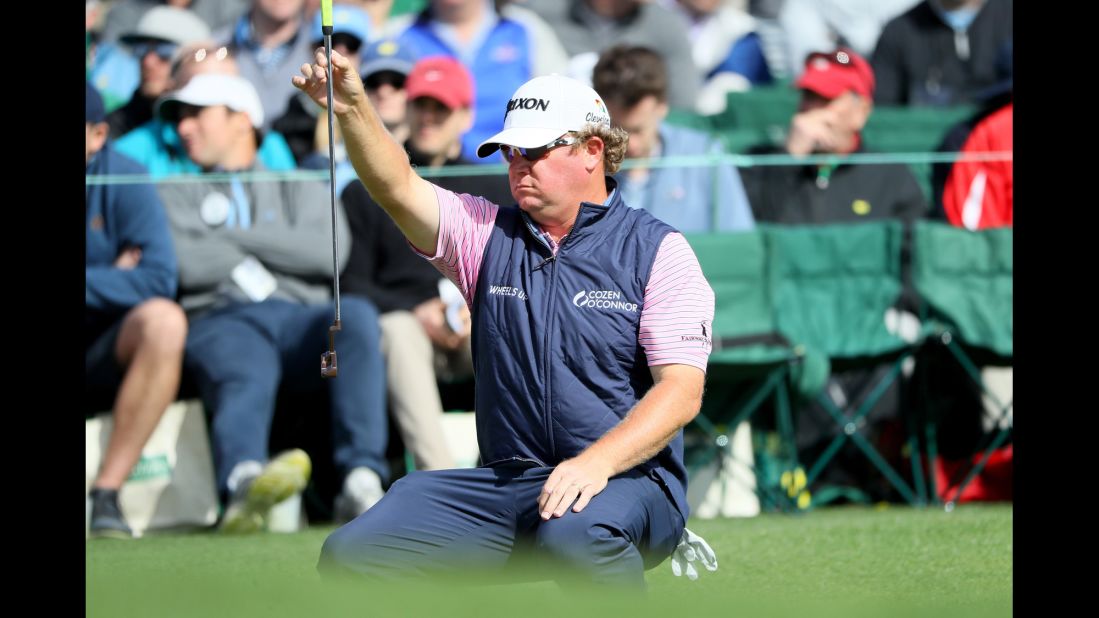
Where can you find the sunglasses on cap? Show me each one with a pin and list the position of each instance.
(839, 57)
(381, 78)
(534, 154)
(162, 49)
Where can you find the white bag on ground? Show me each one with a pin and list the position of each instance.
(172, 485)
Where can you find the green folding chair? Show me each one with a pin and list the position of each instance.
(965, 281)
(751, 361)
(832, 286)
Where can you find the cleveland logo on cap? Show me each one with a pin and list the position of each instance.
(530, 103)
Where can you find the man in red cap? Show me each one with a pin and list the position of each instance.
(837, 90)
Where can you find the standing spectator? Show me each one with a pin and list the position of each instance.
(941, 52)
(498, 52)
(633, 82)
(134, 332)
(587, 27)
(305, 128)
(270, 41)
(811, 25)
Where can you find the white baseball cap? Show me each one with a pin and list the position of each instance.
(544, 109)
(207, 89)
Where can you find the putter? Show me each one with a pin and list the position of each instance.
(329, 369)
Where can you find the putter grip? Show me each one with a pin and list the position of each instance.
(326, 13)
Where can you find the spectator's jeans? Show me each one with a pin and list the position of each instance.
(239, 355)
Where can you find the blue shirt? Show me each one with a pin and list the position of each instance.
(119, 217)
(156, 146)
(683, 197)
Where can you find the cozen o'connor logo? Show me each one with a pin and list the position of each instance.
(606, 300)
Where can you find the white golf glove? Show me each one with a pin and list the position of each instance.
(692, 548)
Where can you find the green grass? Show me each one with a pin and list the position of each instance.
(844, 561)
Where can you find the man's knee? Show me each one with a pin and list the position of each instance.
(158, 325)
(580, 541)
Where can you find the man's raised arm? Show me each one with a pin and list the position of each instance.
(380, 162)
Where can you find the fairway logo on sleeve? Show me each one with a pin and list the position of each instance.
(704, 339)
(605, 300)
(507, 290)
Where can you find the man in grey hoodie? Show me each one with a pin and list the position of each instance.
(255, 264)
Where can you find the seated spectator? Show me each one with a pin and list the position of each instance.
(303, 125)
(385, 67)
(837, 90)
(941, 52)
(633, 82)
(156, 144)
(255, 264)
(154, 42)
(134, 332)
(417, 336)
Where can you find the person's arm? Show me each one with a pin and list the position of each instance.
(303, 246)
(678, 300)
(380, 162)
(670, 404)
(142, 226)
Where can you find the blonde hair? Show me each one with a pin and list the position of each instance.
(614, 144)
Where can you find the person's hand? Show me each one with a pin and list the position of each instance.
(812, 131)
(573, 479)
(128, 259)
(347, 87)
(432, 316)
(692, 548)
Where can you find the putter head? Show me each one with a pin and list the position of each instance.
(328, 365)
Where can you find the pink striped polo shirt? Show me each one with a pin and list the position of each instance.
(677, 313)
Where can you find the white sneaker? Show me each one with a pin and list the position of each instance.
(362, 489)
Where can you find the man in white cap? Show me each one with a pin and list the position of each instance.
(591, 333)
(255, 268)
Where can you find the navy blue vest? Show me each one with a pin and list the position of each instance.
(555, 347)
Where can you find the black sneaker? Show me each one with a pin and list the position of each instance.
(107, 519)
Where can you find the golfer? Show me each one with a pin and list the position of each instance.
(591, 333)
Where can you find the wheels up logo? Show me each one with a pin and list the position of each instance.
(604, 300)
(507, 290)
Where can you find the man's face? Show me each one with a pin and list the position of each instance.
(642, 122)
(434, 127)
(156, 67)
(210, 134)
(387, 93)
(95, 135)
(280, 10)
(539, 186)
(838, 119)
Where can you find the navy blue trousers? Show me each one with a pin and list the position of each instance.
(449, 520)
(241, 354)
